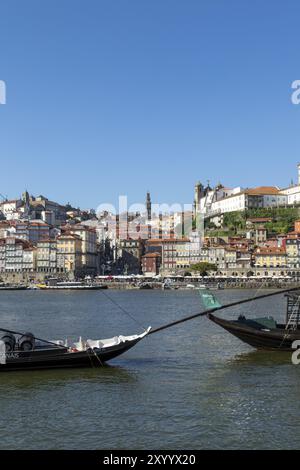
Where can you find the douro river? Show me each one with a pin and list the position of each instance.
(193, 386)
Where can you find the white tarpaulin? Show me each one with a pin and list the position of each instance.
(2, 352)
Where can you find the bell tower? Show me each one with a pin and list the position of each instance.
(198, 194)
(148, 206)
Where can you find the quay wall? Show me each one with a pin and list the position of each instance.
(224, 283)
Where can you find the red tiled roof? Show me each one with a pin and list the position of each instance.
(270, 251)
(260, 219)
(152, 255)
(9, 201)
(261, 190)
(68, 235)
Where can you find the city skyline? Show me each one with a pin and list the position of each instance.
(123, 202)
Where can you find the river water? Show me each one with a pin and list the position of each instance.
(193, 386)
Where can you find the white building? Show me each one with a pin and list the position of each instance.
(89, 246)
(29, 259)
(206, 199)
(241, 200)
(11, 209)
(195, 247)
(46, 256)
(293, 191)
(16, 255)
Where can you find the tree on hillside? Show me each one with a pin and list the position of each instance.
(234, 221)
(203, 268)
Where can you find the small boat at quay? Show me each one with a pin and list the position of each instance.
(12, 287)
(265, 332)
(23, 351)
(72, 285)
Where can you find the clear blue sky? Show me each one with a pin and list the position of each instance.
(124, 96)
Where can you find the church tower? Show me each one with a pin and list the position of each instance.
(148, 206)
(198, 194)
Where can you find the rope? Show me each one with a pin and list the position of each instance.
(87, 351)
(223, 307)
(98, 358)
(255, 296)
(39, 339)
(259, 289)
(123, 309)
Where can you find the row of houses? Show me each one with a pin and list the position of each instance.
(159, 254)
(76, 253)
(229, 254)
(72, 252)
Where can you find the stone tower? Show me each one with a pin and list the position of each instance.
(198, 194)
(148, 206)
(25, 197)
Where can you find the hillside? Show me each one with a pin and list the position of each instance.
(283, 219)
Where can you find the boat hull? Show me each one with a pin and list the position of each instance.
(13, 288)
(55, 358)
(267, 339)
(73, 287)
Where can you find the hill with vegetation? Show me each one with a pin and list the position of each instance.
(283, 219)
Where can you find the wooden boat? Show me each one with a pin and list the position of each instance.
(145, 285)
(265, 332)
(25, 352)
(72, 285)
(12, 287)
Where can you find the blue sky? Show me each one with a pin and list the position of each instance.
(124, 96)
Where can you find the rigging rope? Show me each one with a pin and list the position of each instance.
(39, 339)
(255, 296)
(259, 289)
(123, 309)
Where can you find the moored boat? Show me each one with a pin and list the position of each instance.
(190, 286)
(12, 287)
(265, 332)
(72, 285)
(25, 352)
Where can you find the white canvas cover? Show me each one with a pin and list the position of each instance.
(106, 343)
(2, 352)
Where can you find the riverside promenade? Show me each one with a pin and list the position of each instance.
(128, 282)
(189, 282)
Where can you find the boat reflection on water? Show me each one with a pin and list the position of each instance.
(261, 358)
(45, 379)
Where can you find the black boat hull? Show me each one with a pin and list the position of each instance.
(277, 339)
(12, 288)
(54, 358)
(73, 288)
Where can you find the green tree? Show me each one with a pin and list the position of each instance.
(234, 221)
(203, 268)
